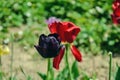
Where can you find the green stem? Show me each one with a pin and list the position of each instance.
(50, 72)
(67, 62)
(1, 73)
(12, 51)
(0, 61)
(48, 69)
(110, 65)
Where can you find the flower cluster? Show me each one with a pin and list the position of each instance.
(51, 46)
(4, 50)
(116, 12)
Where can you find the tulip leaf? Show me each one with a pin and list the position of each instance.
(1, 75)
(12, 78)
(63, 75)
(85, 77)
(117, 77)
(75, 70)
(23, 71)
(29, 78)
(43, 76)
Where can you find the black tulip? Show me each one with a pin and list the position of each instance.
(48, 46)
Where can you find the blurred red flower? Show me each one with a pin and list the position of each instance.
(67, 32)
(116, 12)
(115, 4)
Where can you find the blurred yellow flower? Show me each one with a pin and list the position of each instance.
(4, 50)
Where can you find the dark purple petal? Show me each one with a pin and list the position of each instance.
(48, 46)
(41, 51)
(56, 36)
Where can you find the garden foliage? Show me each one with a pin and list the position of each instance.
(98, 34)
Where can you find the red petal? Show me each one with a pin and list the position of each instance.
(76, 53)
(117, 11)
(115, 4)
(115, 19)
(61, 29)
(57, 59)
(52, 27)
(66, 30)
(71, 33)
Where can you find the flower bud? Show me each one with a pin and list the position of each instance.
(4, 50)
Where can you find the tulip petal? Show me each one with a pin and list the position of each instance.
(115, 19)
(115, 4)
(71, 34)
(57, 59)
(76, 53)
(117, 11)
(61, 28)
(52, 27)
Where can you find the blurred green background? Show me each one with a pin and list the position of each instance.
(98, 34)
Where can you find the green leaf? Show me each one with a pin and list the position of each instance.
(22, 71)
(29, 78)
(1, 75)
(85, 77)
(43, 76)
(75, 70)
(12, 78)
(117, 77)
(63, 75)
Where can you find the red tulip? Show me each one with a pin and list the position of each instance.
(116, 12)
(116, 20)
(67, 32)
(115, 4)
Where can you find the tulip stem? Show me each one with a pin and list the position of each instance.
(67, 62)
(48, 69)
(110, 65)
(50, 73)
(0, 61)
